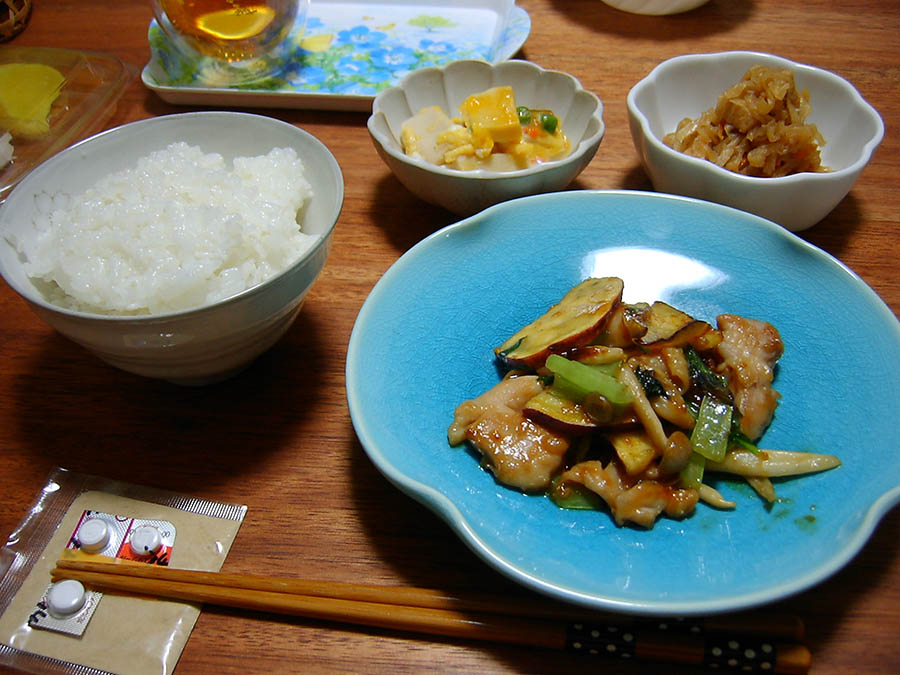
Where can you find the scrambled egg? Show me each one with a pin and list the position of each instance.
(491, 132)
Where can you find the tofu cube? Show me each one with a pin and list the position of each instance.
(491, 116)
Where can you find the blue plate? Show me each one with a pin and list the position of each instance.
(423, 343)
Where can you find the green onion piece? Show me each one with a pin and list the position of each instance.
(651, 386)
(693, 407)
(692, 473)
(612, 368)
(702, 375)
(512, 347)
(712, 429)
(575, 380)
(568, 495)
(524, 115)
(549, 122)
(741, 440)
(736, 437)
(546, 380)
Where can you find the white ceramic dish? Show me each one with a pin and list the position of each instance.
(423, 343)
(685, 86)
(466, 192)
(655, 7)
(349, 51)
(195, 346)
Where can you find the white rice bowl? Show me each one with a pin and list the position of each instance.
(179, 230)
(216, 339)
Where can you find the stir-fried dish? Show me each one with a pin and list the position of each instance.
(491, 132)
(628, 407)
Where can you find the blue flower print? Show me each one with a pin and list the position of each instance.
(436, 48)
(361, 37)
(393, 58)
(308, 76)
(353, 52)
(354, 89)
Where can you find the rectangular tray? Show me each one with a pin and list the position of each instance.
(349, 51)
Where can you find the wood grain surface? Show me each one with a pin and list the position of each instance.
(278, 438)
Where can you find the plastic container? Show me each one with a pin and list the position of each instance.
(92, 85)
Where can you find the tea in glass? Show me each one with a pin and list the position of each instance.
(236, 33)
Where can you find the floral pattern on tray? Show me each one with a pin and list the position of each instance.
(359, 50)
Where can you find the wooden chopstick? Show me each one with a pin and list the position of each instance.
(433, 612)
(782, 626)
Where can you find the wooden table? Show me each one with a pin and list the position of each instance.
(278, 437)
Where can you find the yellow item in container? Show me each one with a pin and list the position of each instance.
(491, 115)
(490, 133)
(27, 91)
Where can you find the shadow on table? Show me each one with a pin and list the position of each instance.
(715, 17)
(392, 201)
(77, 412)
(423, 551)
(856, 590)
(834, 240)
(832, 234)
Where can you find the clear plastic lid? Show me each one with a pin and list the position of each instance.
(92, 83)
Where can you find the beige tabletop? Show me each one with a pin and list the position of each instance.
(278, 438)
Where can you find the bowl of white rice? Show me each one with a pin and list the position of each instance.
(179, 247)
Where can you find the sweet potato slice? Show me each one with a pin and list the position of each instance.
(576, 320)
(625, 325)
(558, 413)
(670, 327)
(634, 449)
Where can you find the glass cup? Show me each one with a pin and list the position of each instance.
(231, 41)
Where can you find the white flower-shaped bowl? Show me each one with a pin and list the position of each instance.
(194, 346)
(655, 7)
(467, 192)
(686, 86)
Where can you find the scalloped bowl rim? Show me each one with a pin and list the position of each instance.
(585, 144)
(445, 507)
(660, 71)
(34, 296)
(449, 511)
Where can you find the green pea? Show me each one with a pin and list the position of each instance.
(524, 115)
(549, 122)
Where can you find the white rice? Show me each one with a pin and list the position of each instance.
(179, 230)
(6, 149)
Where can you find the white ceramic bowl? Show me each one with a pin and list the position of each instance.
(655, 7)
(195, 346)
(685, 86)
(467, 192)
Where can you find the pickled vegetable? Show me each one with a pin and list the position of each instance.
(758, 128)
(27, 92)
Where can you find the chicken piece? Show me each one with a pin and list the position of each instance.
(749, 351)
(631, 499)
(520, 453)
